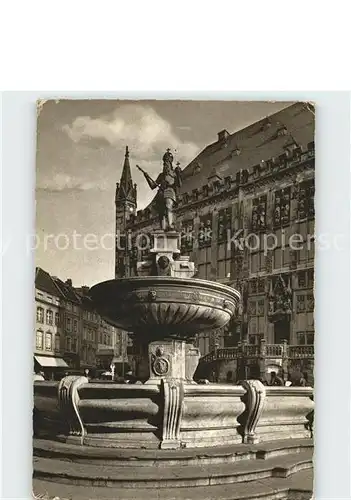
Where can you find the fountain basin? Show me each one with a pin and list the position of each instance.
(162, 307)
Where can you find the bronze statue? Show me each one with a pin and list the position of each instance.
(168, 182)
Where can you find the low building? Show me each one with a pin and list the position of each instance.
(48, 346)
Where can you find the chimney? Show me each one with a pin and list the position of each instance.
(223, 135)
(69, 282)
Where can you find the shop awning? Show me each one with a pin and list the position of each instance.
(48, 361)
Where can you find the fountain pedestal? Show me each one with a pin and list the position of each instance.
(172, 359)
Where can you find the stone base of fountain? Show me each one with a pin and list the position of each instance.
(126, 441)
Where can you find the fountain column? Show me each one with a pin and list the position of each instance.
(167, 358)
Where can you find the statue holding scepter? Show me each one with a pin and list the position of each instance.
(168, 182)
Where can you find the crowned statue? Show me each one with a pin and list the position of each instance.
(168, 182)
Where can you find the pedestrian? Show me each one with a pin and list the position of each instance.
(303, 380)
(276, 380)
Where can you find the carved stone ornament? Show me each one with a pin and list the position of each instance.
(160, 366)
(173, 395)
(68, 398)
(152, 295)
(254, 401)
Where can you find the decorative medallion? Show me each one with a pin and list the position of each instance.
(160, 366)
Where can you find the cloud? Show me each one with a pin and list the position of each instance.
(64, 182)
(139, 126)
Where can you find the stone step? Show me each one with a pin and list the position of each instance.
(166, 458)
(169, 477)
(297, 487)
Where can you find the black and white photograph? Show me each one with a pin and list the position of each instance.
(173, 351)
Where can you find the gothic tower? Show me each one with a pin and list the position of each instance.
(126, 202)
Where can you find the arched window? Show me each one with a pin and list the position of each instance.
(57, 342)
(39, 339)
(40, 315)
(48, 341)
(49, 317)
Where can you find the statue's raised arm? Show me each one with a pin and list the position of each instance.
(149, 180)
(168, 182)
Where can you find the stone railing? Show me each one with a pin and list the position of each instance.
(172, 414)
(228, 353)
(274, 350)
(244, 350)
(301, 351)
(250, 351)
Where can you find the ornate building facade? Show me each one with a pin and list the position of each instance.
(246, 217)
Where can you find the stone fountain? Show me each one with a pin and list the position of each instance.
(168, 431)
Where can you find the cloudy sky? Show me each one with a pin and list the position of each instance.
(80, 152)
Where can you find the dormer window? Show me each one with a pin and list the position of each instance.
(223, 135)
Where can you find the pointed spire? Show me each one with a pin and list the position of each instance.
(126, 189)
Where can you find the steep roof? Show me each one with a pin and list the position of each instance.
(125, 189)
(67, 291)
(258, 142)
(45, 283)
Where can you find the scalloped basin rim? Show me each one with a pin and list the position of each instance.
(165, 305)
(167, 280)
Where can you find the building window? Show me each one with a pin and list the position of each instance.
(282, 207)
(259, 207)
(223, 260)
(305, 338)
(224, 224)
(68, 324)
(75, 326)
(257, 286)
(255, 339)
(57, 342)
(40, 315)
(256, 307)
(300, 305)
(187, 236)
(256, 325)
(49, 317)
(48, 341)
(309, 302)
(68, 344)
(302, 279)
(256, 245)
(204, 263)
(306, 200)
(305, 246)
(205, 231)
(57, 319)
(74, 345)
(39, 339)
